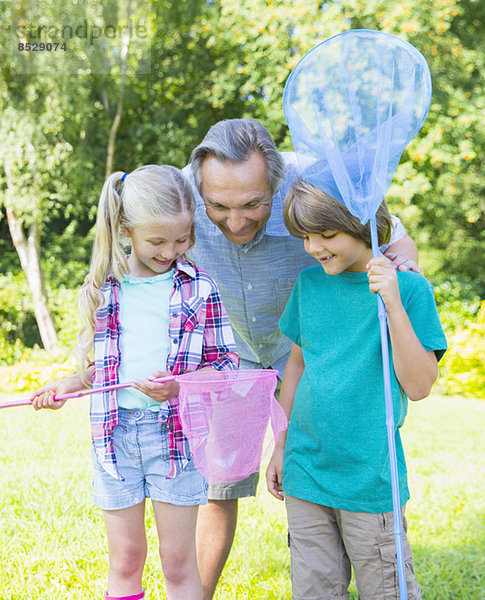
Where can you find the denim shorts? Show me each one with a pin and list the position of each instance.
(142, 455)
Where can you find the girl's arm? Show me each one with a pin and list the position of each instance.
(43, 397)
(161, 391)
(416, 368)
(218, 352)
(291, 378)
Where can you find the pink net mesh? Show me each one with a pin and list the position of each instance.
(225, 416)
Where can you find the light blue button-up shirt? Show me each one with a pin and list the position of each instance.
(255, 279)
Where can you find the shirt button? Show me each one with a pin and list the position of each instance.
(250, 287)
(253, 319)
(260, 345)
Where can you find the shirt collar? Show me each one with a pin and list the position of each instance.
(184, 266)
(275, 224)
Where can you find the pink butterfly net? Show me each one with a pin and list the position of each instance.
(225, 416)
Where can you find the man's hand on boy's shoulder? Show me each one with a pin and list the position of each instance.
(401, 262)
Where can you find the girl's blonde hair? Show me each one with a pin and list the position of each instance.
(150, 194)
(309, 210)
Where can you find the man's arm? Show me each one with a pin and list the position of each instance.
(403, 254)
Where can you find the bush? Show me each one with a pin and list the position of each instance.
(27, 367)
(10, 353)
(458, 303)
(24, 366)
(40, 368)
(18, 327)
(19, 334)
(63, 303)
(463, 365)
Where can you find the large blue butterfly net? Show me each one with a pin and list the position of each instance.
(352, 105)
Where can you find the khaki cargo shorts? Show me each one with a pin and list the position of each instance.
(326, 542)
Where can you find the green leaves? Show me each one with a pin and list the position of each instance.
(199, 62)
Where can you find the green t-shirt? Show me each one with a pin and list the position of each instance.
(336, 452)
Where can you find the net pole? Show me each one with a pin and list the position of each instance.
(88, 392)
(391, 440)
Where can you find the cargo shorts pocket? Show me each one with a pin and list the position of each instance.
(390, 577)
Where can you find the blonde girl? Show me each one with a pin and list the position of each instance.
(146, 315)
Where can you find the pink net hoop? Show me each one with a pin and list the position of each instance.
(225, 416)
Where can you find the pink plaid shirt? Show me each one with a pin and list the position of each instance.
(200, 335)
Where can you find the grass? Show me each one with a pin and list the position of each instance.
(52, 543)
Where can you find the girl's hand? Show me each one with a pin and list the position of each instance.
(383, 279)
(401, 262)
(274, 474)
(161, 392)
(44, 396)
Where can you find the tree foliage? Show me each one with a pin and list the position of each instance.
(201, 61)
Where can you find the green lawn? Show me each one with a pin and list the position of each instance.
(52, 539)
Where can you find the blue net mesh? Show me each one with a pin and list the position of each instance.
(352, 105)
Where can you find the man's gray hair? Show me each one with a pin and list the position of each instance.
(234, 140)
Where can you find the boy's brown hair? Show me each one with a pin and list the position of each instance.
(309, 210)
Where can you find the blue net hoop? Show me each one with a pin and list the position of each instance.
(352, 104)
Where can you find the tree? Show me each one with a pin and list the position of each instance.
(25, 191)
(33, 151)
(438, 187)
(200, 62)
(52, 127)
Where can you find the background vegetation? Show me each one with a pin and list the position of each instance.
(66, 119)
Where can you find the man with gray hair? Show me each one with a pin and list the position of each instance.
(240, 180)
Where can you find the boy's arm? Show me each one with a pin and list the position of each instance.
(293, 372)
(416, 368)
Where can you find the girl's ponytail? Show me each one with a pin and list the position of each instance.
(107, 252)
(107, 257)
